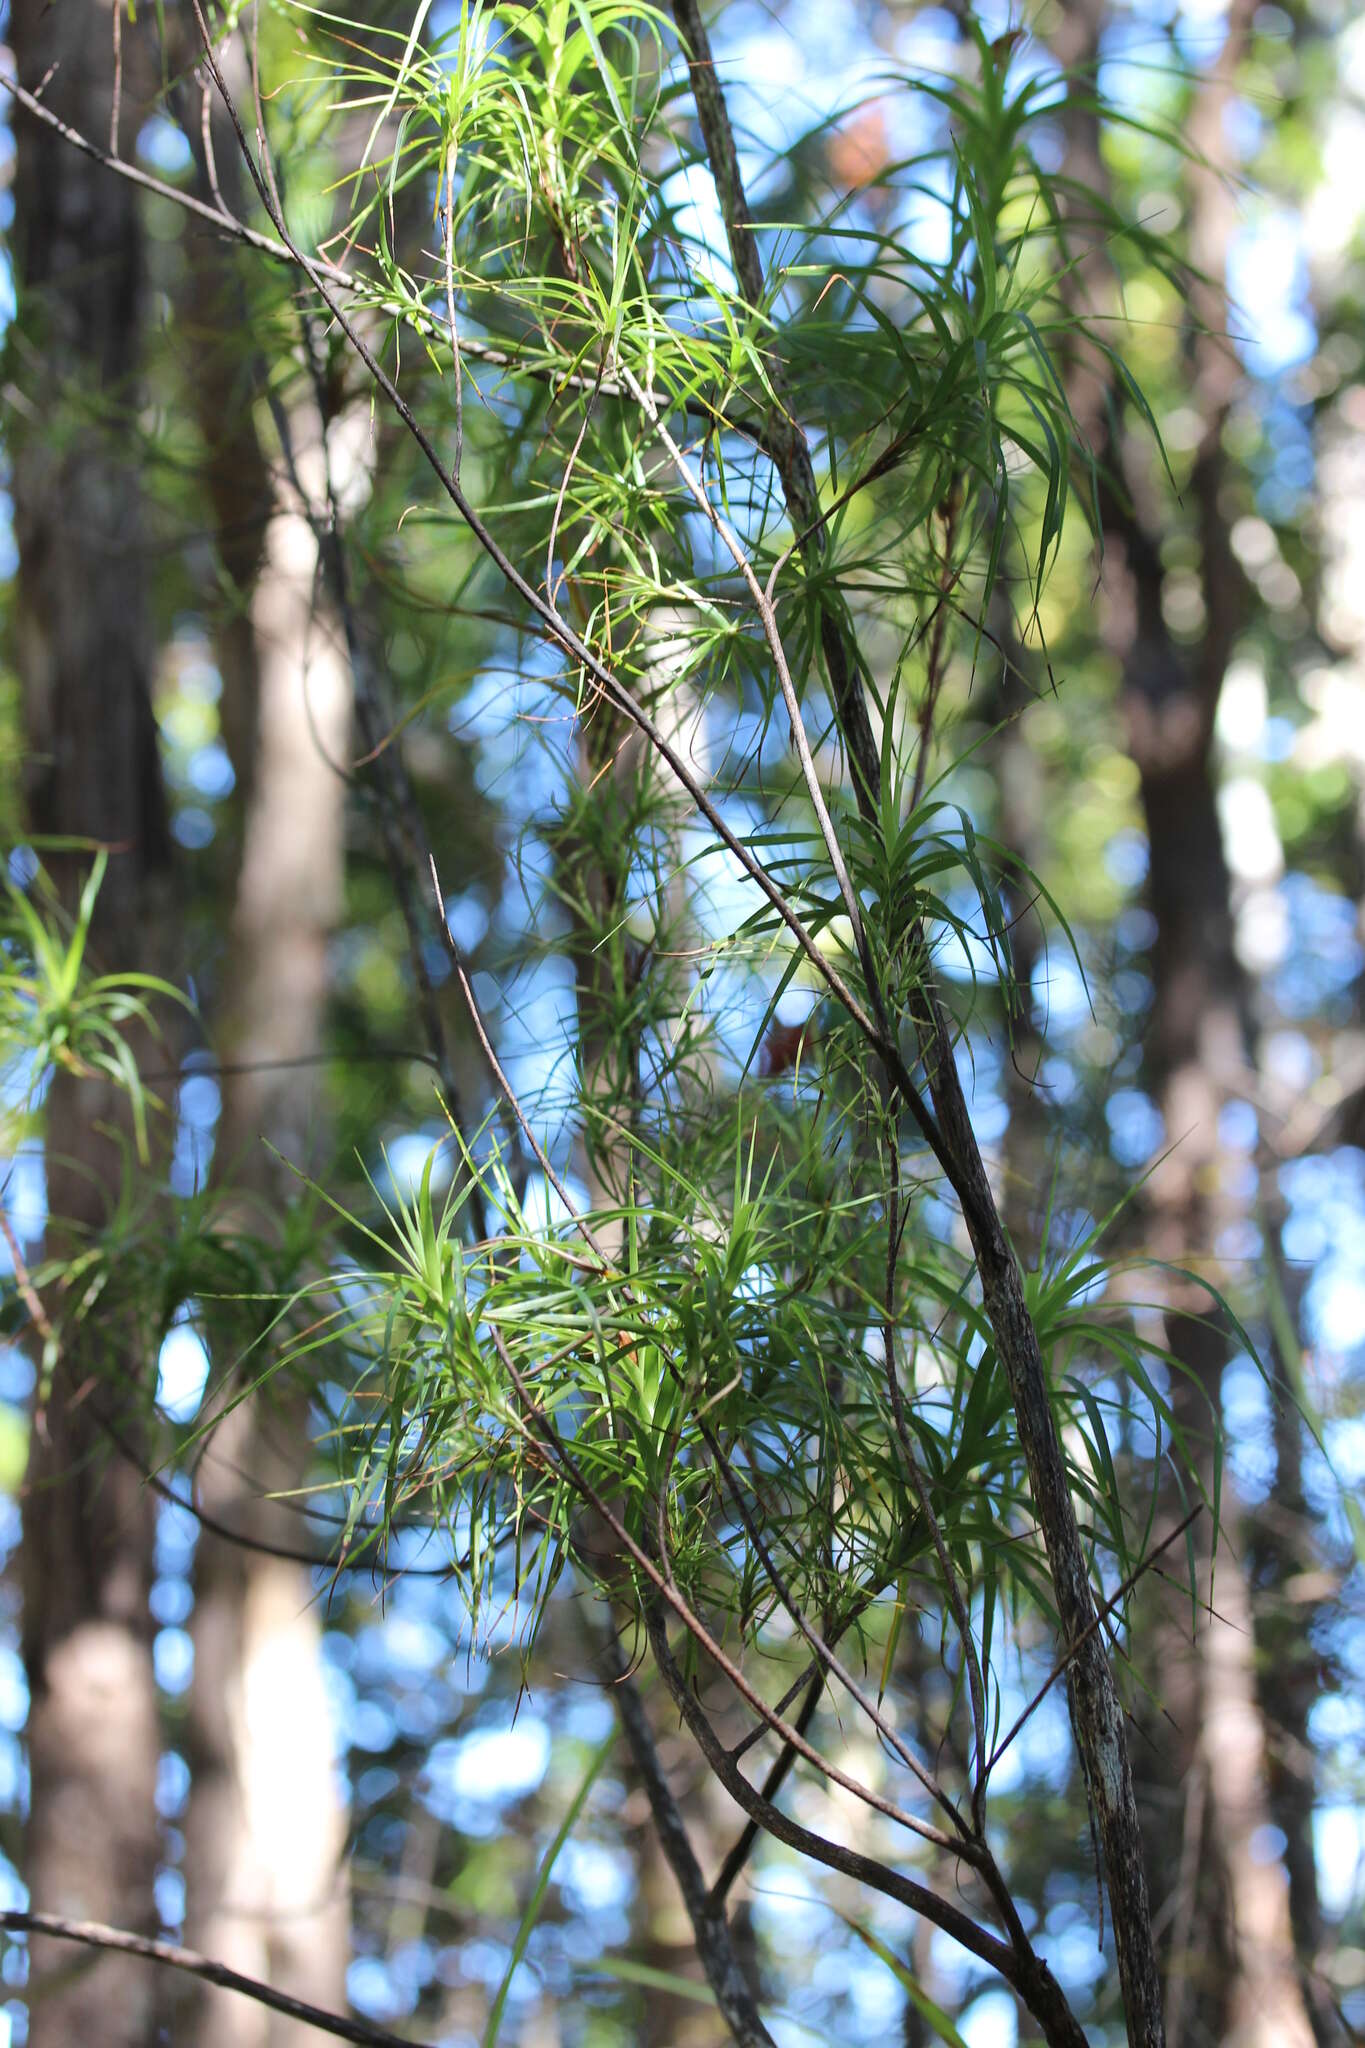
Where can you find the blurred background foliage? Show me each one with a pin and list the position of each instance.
(1233, 554)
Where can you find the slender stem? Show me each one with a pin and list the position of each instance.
(663, 1585)
(705, 1909)
(742, 1847)
(952, 1584)
(1026, 1972)
(500, 1076)
(1098, 1714)
(1101, 1613)
(396, 805)
(768, 619)
(93, 1934)
(828, 1660)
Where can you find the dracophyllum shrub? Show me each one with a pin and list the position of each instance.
(719, 1314)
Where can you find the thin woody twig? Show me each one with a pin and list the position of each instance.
(261, 1546)
(1115, 1599)
(951, 1580)
(742, 1847)
(544, 1428)
(206, 145)
(705, 1908)
(828, 1660)
(93, 1934)
(934, 670)
(481, 1033)
(223, 221)
(28, 1293)
(1027, 1972)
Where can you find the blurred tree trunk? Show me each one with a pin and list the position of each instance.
(1233, 1973)
(266, 1831)
(85, 655)
(663, 1940)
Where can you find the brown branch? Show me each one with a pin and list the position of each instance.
(741, 1849)
(1098, 1714)
(705, 1908)
(92, 1934)
(952, 1586)
(500, 1076)
(828, 1660)
(23, 1280)
(261, 1546)
(397, 805)
(224, 222)
(1026, 1972)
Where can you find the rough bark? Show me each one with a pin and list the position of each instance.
(85, 655)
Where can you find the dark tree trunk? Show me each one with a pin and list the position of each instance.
(85, 654)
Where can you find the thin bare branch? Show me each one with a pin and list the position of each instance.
(742, 1848)
(952, 1584)
(824, 1653)
(93, 1934)
(768, 619)
(705, 1909)
(499, 1074)
(1028, 1974)
(1115, 1599)
(353, 1559)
